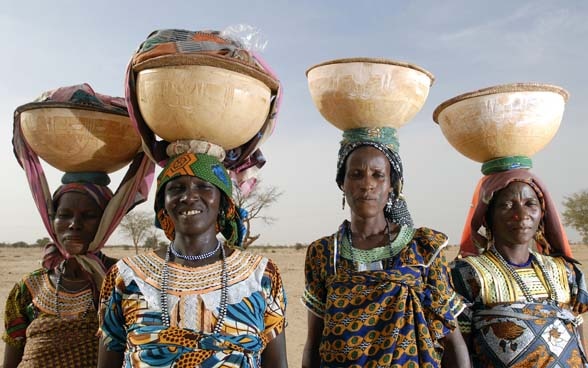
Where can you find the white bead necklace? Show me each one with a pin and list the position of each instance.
(165, 318)
(551, 293)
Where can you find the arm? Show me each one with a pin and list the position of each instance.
(456, 352)
(111, 323)
(274, 354)
(12, 356)
(310, 356)
(109, 359)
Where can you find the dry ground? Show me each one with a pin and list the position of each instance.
(17, 261)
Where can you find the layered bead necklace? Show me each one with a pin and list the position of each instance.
(58, 285)
(551, 293)
(165, 318)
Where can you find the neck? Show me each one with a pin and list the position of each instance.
(71, 270)
(193, 245)
(364, 228)
(371, 232)
(518, 254)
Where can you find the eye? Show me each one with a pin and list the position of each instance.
(379, 174)
(354, 174)
(532, 203)
(174, 188)
(63, 215)
(205, 186)
(506, 205)
(92, 215)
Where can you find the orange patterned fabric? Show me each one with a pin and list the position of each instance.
(389, 317)
(131, 312)
(32, 323)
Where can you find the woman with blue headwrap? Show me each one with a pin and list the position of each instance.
(378, 291)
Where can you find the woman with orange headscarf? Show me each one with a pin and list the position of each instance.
(525, 294)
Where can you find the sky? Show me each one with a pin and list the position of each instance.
(466, 44)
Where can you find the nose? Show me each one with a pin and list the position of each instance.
(190, 194)
(75, 223)
(367, 183)
(519, 213)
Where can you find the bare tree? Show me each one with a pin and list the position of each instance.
(258, 200)
(137, 225)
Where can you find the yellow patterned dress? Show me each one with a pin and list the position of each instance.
(131, 312)
(386, 308)
(504, 327)
(51, 335)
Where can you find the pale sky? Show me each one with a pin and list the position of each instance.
(466, 44)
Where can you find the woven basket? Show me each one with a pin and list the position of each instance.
(204, 98)
(516, 119)
(74, 139)
(368, 92)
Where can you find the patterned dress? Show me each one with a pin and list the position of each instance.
(132, 319)
(389, 311)
(51, 336)
(505, 329)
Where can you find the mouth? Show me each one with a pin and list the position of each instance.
(190, 213)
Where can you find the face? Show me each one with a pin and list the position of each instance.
(367, 182)
(515, 214)
(76, 221)
(193, 205)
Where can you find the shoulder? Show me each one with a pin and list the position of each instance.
(323, 242)
(36, 276)
(107, 261)
(428, 238)
(427, 244)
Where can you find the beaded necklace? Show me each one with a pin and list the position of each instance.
(198, 257)
(552, 295)
(165, 319)
(57, 303)
(359, 259)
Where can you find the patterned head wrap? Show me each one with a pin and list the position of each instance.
(385, 140)
(551, 237)
(210, 169)
(132, 190)
(214, 48)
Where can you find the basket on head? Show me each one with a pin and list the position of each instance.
(203, 97)
(368, 92)
(516, 119)
(74, 138)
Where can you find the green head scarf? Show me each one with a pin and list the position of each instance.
(210, 169)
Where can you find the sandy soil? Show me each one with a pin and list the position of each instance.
(17, 261)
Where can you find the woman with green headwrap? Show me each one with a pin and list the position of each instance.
(378, 290)
(199, 302)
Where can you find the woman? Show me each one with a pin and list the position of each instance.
(524, 293)
(51, 314)
(378, 291)
(199, 301)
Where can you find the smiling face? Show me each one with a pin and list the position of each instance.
(76, 221)
(515, 215)
(367, 182)
(193, 205)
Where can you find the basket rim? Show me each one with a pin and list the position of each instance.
(66, 105)
(208, 60)
(502, 88)
(375, 60)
